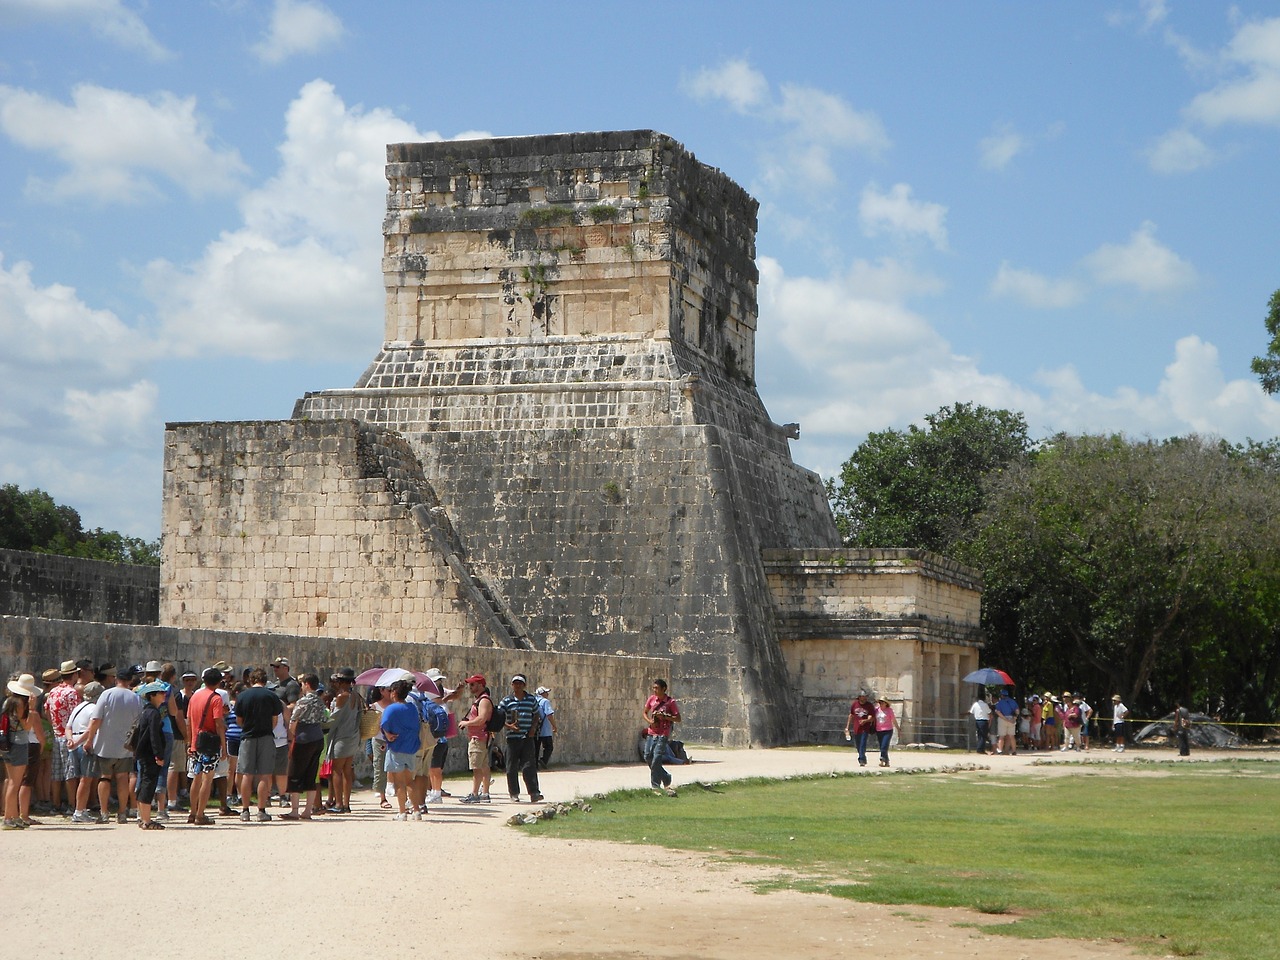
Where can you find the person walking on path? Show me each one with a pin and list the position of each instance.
(475, 726)
(1182, 728)
(1118, 726)
(547, 729)
(886, 724)
(981, 713)
(661, 713)
(861, 722)
(521, 711)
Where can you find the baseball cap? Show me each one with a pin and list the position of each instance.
(280, 662)
(541, 690)
(475, 678)
(435, 674)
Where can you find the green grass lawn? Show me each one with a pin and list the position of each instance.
(1181, 860)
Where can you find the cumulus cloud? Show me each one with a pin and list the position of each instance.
(301, 277)
(998, 150)
(109, 19)
(115, 144)
(297, 27)
(1253, 96)
(1033, 289)
(1180, 151)
(1143, 263)
(899, 214)
(866, 359)
(813, 123)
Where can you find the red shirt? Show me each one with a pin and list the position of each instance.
(204, 719)
(661, 726)
(864, 716)
(60, 701)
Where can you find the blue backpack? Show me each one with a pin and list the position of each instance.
(434, 716)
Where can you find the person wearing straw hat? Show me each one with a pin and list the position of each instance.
(59, 701)
(1118, 726)
(17, 721)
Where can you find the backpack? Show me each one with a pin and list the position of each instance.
(435, 717)
(134, 735)
(497, 720)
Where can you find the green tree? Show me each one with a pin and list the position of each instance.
(32, 520)
(922, 487)
(1145, 568)
(1268, 368)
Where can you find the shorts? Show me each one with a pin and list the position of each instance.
(422, 761)
(109, 767)
(201, 763)
(258, 757)
(16, 757)
(438, 755)
(81, 763)
(281, 768)
(341, 749)
(233, 747)
(478, 754)
(60, 764)
(401, 762)
(148, 778)
(1004, 727)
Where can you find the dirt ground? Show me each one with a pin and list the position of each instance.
(462, 883)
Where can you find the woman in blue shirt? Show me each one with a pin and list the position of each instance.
(400, 723)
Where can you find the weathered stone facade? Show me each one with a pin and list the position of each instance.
(568, 380)
(70, 588)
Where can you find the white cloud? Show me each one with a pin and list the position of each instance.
(813, 124)
(735, 82)
(866, 361)
(1254, 96)
(298, 26)
(108, 19)
(107, 417)
(998, 150)
(1180, 151)
(1143, 262)
(301, 277)
(1035, 290)
(114, 144)
(897, 213)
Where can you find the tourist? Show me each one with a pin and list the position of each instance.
(981, 713)
(344, 736)
(1086, 716)
(860, 724)
(1006, 711)
(1118, 714)
(206, 743)
(660, 713)
(376, 749)
(400, 726)
(521, 710)
(231, 781)
(59, 702)
(1036, 706)
(1182, 728)
(118, 708)
(547, 729)
(476, 726)
(178, 785)
(18, 719)
(1049, 722)
(82, 726)
(440, 752)
(283, 685)
(886, 724)
(1069, 714)
(257, 709)
(149, 747)
(306, 742)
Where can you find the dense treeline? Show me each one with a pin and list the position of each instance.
(1141, 567)
(31, 520)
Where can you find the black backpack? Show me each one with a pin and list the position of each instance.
(497, 720)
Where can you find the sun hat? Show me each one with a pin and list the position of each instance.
(92, 691)
(475, 678)
(541, 690)
(1115, 697)
(25, 685)
(221, 666)
(147, 689)
(50, 676)
(153, 666)
(344, 673)
(68, 666)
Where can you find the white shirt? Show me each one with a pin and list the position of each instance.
(981, 710)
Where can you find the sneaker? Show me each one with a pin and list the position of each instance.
(14, 825)
(173, 806)
(245, 815)
(122, 817)
(671, 792)
(83, 816)
(103, 818)
(161, 814)
(401, 816)
(536, 798)
(515, 798)
(657, 791)
(470, 798)
(264, 817)
(133, 813)
(484, 798)
(434, 797)
(417, 814)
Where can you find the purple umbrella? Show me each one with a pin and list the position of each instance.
(386, 676)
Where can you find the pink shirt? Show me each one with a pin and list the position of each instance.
(661, 726)
(884, 718)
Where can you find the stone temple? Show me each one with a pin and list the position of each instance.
(560, 447)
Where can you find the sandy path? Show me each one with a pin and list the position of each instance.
(339, 885)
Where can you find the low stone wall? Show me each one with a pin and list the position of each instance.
(597, 698)
(70, 588)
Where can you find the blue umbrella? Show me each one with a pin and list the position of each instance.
(990, 677)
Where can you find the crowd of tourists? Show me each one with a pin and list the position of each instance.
(150, 743)
(1043, 723)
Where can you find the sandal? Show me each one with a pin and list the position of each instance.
(151, 825)
(385, 804)
(289, 816)
(203, 821)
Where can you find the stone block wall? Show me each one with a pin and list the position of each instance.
(597, 698)
(69, 588)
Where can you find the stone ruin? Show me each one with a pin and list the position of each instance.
(560, 447)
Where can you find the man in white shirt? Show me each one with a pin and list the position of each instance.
(981, 713)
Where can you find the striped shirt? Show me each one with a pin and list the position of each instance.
(524, 711)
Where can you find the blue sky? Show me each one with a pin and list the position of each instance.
(1067, 209)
